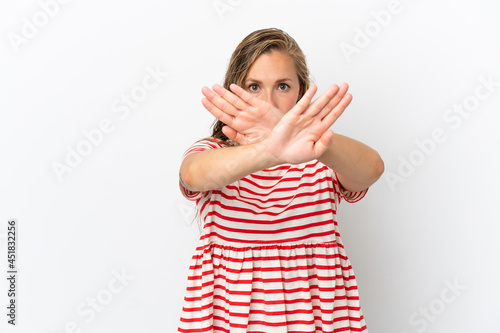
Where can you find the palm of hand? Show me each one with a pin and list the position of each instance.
(298, 138)
(254, 124)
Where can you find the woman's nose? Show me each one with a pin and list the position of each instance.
(269, 97)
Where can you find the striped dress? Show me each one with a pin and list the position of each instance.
(270, 257)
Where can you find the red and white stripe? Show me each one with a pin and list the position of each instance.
(270, 257)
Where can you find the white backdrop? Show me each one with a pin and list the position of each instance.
(100, 99)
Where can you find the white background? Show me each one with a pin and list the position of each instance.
(120, 212)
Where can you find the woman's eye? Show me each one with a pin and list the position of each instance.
(253, 87)
(283, 86)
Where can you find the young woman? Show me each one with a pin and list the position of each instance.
(267, 184)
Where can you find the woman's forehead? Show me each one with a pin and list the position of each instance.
(275, 65)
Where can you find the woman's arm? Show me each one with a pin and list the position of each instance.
(215, 168)
(357, 165)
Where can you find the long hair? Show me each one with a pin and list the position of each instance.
(250, 48)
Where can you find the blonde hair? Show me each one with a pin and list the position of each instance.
(250, 48)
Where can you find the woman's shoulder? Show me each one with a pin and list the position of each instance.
(217, 141)
(208, 143)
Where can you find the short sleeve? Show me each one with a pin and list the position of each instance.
(199, 146)
(348, 196)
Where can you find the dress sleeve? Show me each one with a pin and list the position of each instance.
(199, 146)
(348, 196)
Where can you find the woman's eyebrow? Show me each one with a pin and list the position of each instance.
(257, 81)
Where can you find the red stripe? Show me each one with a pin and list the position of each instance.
(236, 208)
(273, 191)
(196, 330)
(282, 179)
(198, 308)
(272, 241)
(274, 221)
(254, 201)
(261, 258)
(191, 320)
(267, 232)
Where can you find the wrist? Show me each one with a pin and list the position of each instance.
(266, 158)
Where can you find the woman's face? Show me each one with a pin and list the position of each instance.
(272, 78)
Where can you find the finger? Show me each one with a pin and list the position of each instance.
(323, 143)
(245, 95)
(330, 118)
(318, 106)
(334, 100)
(304, 102)
(234, 135)
(235, 101)
(219, 102)
(229, 132)
(217, 113)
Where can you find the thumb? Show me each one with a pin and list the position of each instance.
(229, 132)
(234, 135)
(324, 142)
